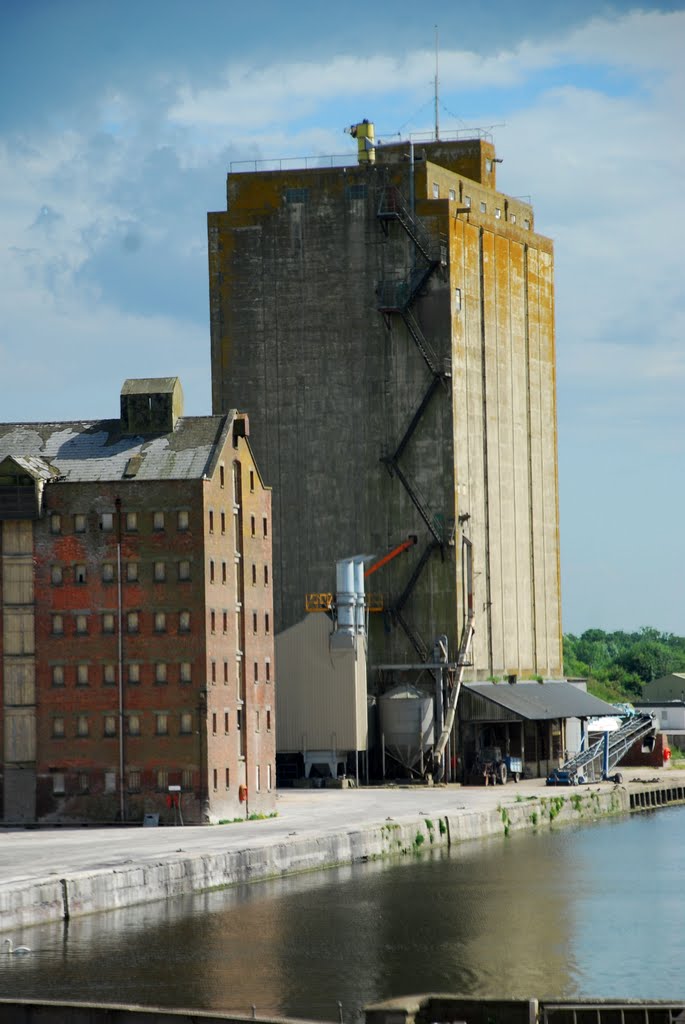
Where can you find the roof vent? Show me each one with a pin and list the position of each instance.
(151, 405)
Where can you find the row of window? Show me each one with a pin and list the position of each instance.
(483, 205)
(81, 622)
(84, 725)
(131, 572)
(107, 520)
(162, 671)
(162, 720)
(135, 778)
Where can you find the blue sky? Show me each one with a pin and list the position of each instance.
(119, 121)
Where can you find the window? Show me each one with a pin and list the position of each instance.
(182, 519)
(526, 224)
(187, 778)
(55, 523)
(58, 783)
(133, 780)
(133, 722)
(256, 721)
(184, 622)
(162, 778)
(58, 675)
(268, 719)
(212, 621)
(512, 218)
(110, 782)
(269, 782)
(215, 776)
(488, 165)
(186, 672)
(157, 520)
(109, 676)
(214, 723)
(160, 672)
(81, 623)
(266, 575)
(252, 479)
(228, 778)
(82, 675)
(239, 719)
(498, 213)
(225, 670)
(82, 725)
(162, 726)
(211, 570)
(453, 195)
(107, 572)
(134, 672)
(267, 669)
(265, 526)
(184, 570)
(223, 572)
(57, 625)
(211, 521)
(223, 522)
(107, 622)
(107, 521)
(483, 207)
(213, 671)
(186, 725)
(253, 526)
(224, 622)
(457, 300)
(467, 202)
(133, 621)
(79, 573)
(236, 532)
(79, 523)
(436, 190)
(160, 622)
(110, 725)
(83, 782)
(131, 571)
(254, 575)
(256, 671)
(160, 572)
(226, 721)
(267, 623)
(222, 475)
(131, 521)
(258, 778)
(254, 622)
(56, 574)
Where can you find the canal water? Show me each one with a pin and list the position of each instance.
(594, 910)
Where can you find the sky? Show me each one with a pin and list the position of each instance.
(119, 121)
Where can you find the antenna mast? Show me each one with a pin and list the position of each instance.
(437, 103)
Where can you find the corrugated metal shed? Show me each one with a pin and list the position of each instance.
(534, 702)
(97, 450)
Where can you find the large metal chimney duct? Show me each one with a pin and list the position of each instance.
(346, 599)
(360, 601)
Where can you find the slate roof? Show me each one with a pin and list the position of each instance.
(97, 450)
(540, 701)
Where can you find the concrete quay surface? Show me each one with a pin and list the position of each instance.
(49, 874)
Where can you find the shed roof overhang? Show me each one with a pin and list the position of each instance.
(530, 702)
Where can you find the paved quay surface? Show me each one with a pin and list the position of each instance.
(28, 855)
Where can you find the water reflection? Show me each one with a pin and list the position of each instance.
(547, 915)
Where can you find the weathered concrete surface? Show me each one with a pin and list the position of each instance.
(46, 875)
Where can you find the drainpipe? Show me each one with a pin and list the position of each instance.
(120, 655)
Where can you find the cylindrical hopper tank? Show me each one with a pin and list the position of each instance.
(407, 723)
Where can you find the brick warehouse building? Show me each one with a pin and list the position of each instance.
(390, 325)
(136, 646)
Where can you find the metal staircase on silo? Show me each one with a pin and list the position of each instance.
(395, 299)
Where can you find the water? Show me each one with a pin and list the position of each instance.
(597, 910)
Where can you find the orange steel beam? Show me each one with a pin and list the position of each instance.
(408, 543)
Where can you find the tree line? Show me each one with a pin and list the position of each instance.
(617, 665)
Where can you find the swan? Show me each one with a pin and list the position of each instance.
(17, 950)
